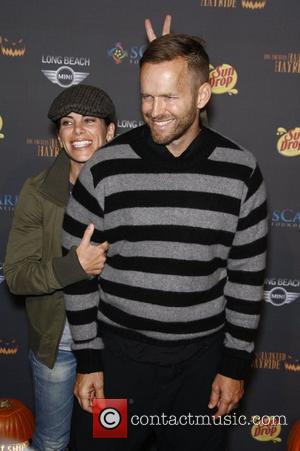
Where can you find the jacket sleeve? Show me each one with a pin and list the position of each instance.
(26, 272)
(245, 279)
(86, 206)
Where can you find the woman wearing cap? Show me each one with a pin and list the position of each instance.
(34, 265)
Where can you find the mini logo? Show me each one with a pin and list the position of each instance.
(15, 48)
(267, 430)
(65, 76)
(223, 79)
(288, 144)
(279, 296)
(8, 202)
(110, 418)
(118, 53)
(8, 347)
(44, 147)
(1, 126)
(248, 4)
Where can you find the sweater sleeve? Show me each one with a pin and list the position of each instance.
(82, 298)
(245, 278)
(26, 270)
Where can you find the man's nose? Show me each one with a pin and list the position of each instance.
(157, 107)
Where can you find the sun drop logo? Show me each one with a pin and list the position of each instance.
(267, 429)
(288, 144)
(223, 79)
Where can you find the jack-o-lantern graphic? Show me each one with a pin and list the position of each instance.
(251, 4)
(292, 364)
(8, 347)
(14, 48)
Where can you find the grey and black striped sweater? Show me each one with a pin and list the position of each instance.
(187, 246)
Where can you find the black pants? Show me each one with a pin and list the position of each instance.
(173, 384)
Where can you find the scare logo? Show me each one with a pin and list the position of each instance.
(248, 4)
(288, 144)
(14, 48)
(118, 53)
(223, 79)
(8, 347)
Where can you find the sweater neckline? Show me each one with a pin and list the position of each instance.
(200, 148)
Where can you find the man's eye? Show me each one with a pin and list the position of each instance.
(90, 120)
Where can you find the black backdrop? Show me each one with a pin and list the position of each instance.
(255, 55)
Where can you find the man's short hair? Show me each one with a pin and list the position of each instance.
(175, 45)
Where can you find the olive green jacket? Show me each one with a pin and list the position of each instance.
(34, 265)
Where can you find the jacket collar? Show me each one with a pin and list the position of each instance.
(56, 183)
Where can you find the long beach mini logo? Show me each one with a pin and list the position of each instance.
(65, 75)
(281, 291)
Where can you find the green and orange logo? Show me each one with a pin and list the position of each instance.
(223, 79)
(288, 143)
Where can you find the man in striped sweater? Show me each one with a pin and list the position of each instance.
(171, 321)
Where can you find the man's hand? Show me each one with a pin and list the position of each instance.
(91, 257)
(225, 394)
(87, 387)
(149, 29)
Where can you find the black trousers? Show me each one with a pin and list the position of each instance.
(156, 381)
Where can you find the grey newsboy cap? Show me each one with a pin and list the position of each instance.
(83, 99)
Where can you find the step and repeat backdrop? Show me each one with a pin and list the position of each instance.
(254, 49)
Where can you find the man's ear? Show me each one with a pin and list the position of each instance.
(204, 94)
(110, 132)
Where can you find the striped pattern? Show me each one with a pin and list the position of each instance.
(187, 244)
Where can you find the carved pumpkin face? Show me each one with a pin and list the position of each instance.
(292, 364)
(12, 48)
(8, 347)
(16, 421)
(251, 4)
